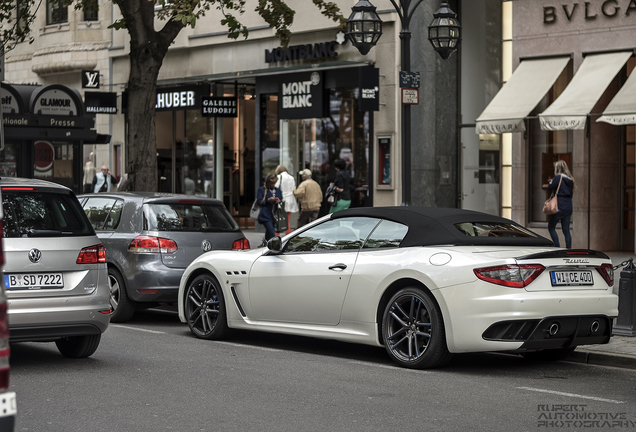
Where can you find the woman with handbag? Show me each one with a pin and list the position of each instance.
(563, 185)
(268, 197)
(287, 184)
(341, 184)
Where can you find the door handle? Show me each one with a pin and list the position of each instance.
(338, 266)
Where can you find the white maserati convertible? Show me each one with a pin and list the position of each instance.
(422, 282)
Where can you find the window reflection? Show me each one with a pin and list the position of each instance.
(387, 235)
(333, 235)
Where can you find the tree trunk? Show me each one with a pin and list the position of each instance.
(142, 97)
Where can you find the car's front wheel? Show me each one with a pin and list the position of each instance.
(413, 330)
(123, 307)
(205, 308)
(78, 346)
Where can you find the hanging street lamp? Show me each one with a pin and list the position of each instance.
(364, 29)
(364, 26)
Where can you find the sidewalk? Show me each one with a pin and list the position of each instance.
(619, 352)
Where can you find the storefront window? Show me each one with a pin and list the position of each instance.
(316, 143)
(9, 160)
(53, 161)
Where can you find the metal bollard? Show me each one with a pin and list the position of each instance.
(626, 322)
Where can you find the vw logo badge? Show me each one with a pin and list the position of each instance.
(206, 246)
(35, 255)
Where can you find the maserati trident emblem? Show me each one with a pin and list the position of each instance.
(35, 255)
(206, 246)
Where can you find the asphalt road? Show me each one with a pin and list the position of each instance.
(151, 375)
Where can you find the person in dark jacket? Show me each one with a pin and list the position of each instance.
(342, 187)
(564, 201)
(268, 197)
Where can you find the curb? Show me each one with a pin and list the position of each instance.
(602, 359)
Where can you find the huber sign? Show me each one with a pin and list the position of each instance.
(300, 96)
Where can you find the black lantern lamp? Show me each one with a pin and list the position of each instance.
(364, 26)
(444, 31)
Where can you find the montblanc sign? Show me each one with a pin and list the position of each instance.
(302, 52)
(300, 96)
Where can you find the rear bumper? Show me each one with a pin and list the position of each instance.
(154, 276)
(52, 332)
(553, 332)
(52, 318)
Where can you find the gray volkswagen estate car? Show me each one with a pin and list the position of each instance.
(151, 238)
(55, 268)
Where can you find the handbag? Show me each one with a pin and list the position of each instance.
(280, 218)
(255, 211)
(551, 206)
(332, 195)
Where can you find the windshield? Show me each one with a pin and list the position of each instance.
(188, 217)
(35, 214)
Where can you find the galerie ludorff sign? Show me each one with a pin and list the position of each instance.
(217, 106)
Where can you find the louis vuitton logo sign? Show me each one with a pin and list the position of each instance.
(90, 79)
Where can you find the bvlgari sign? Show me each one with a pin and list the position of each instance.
(300, 96)
(588, 11)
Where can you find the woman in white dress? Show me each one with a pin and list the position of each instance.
(286, 183)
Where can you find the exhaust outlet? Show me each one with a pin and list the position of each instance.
(595, 326)
(553, 329)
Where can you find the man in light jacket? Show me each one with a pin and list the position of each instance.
(104, 181)
(310, 197)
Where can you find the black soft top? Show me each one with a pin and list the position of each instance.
(436, 226)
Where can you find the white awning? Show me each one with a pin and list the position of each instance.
(520, 95)
(622, 109)
(571, 108)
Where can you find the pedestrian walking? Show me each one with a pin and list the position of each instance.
(310, 197)
(341, 182)
(286, 183)
(563, 185)
(268, 197)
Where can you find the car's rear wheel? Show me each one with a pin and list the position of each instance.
(413, 330)
(205, 308)
(78, 346)
(123, 306)
(549, 354)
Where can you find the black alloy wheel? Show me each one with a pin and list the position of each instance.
(123, 307)
(413, 330)
(205, 308)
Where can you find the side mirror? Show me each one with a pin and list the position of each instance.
(275, 244)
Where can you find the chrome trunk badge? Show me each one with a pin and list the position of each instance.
(206, 246)
(35, 255)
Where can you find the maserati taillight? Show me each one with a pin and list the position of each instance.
(512, 275)
(607, 272)
(241, 244)
(92, 255)
(146, 244)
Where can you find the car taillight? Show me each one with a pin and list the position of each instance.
(92, 255)
(146, 244)
(514, 275)
(4, 348)
(241, 244)
(1, 250)
(607, 272)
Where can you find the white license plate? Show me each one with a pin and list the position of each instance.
(571, 277)
(33, 281)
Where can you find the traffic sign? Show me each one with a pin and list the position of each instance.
(409, 79)
(410, 96)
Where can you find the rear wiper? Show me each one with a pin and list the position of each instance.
(46, 233)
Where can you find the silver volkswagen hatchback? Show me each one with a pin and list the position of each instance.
(55, 270)
(151, 238)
